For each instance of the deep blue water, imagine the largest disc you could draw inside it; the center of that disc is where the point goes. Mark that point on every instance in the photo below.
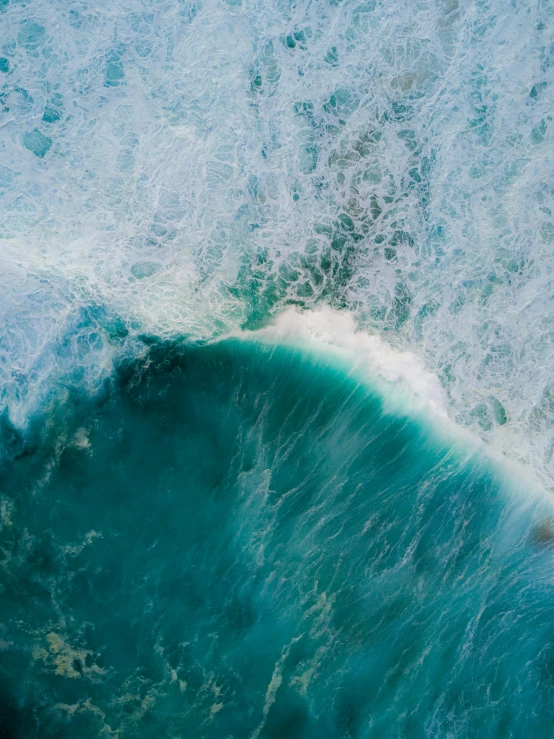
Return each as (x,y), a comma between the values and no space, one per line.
(238,540)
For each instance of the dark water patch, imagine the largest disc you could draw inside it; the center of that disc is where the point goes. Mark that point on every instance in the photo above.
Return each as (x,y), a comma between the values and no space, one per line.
(543,534)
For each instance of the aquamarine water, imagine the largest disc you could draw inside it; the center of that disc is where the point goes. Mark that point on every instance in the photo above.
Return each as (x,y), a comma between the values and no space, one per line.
(276,350)
(238,540)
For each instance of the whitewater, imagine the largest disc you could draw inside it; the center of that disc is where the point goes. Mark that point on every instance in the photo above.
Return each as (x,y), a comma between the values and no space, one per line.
(191,168)
(276,386)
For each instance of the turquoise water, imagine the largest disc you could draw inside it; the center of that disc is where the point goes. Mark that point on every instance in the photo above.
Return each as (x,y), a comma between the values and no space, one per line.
(275,336)
(239,540)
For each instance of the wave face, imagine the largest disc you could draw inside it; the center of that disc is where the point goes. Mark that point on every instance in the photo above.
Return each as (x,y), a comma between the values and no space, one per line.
(260,262)
(239,540)
(191,166)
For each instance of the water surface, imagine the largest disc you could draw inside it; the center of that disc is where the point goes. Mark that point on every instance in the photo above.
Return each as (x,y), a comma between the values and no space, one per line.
(241,540)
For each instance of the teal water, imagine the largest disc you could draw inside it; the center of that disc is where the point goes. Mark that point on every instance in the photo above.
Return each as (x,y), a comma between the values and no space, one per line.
(211,537)
(237,540)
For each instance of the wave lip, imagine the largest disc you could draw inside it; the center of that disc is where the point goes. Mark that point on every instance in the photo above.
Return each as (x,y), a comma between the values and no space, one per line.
(405,384)
(335,331)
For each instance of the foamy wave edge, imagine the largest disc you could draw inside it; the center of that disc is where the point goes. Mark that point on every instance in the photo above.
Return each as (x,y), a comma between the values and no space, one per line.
(405,383)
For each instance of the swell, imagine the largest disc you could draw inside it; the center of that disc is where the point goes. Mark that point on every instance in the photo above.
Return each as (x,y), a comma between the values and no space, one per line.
(241,539)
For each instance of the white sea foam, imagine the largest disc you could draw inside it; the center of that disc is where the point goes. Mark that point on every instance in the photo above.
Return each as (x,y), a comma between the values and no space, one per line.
(406,385)
(190,167)
(335,331)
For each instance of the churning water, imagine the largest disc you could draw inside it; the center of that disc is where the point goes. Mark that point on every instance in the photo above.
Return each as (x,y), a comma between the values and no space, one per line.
(276,327)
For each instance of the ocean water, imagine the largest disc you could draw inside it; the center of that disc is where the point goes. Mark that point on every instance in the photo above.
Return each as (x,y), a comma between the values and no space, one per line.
(241,540)
(276,350)
(190,167)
